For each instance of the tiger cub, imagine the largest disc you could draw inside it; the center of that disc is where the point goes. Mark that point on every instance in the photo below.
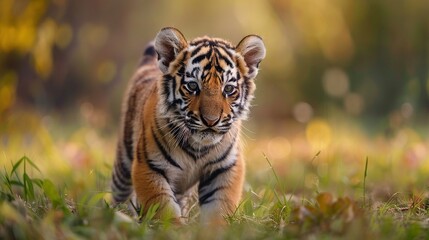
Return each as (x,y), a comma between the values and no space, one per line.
(181,122)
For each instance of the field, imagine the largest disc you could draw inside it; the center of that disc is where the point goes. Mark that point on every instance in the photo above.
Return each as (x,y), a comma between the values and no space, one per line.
(337,144)
(324,180)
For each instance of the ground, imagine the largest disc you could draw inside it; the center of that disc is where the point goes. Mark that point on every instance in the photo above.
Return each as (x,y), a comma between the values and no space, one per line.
(325,179)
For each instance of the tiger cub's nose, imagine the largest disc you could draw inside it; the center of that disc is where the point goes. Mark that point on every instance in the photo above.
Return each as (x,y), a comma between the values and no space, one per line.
(210,120)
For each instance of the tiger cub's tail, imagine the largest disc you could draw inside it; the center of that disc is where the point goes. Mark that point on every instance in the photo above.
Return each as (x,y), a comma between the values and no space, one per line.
(121,175)
(149,54)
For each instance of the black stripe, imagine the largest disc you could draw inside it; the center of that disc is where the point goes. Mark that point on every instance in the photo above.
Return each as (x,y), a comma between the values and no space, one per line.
(188,149)
(219,69)
(156,169)
(222,157)
(201,57)
(128,126)
(204,40)
(206,181)
(119,184)
(185,148)
(198,59)
(164,152)
(206,76)
(195,72)
(162,194)
(238,75)
(181,70)
(120,168)
(141,146)
(152,166)
(195,154)
(196,50)
(246,93)
(208,201)
(121,197)
(224,44)
(121,177)
(123,170)
(174,130)
(185,55)
(226,50)
(207,67)
(173,90)
(203,199)
(225,59)
(241,97)
(166,89)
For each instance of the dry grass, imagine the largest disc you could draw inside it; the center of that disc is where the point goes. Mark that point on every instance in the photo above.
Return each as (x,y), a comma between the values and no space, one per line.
(313,182)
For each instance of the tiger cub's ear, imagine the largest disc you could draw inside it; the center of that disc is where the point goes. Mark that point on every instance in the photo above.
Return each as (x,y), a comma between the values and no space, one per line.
(252,49)
(168,43)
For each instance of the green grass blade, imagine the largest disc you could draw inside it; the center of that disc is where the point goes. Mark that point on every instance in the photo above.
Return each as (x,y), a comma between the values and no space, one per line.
(29,188)
(32,164)
(54,196)
(7,181)
(151,212)
(38,182)
(277,180)
(17,164)
(96,198)
(364,182)
(16,183)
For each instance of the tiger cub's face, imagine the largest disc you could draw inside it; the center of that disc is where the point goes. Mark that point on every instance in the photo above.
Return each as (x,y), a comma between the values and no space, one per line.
(208,83)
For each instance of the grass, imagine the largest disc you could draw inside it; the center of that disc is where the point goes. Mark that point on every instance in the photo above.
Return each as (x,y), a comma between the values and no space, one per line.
(364,182)
(56,186)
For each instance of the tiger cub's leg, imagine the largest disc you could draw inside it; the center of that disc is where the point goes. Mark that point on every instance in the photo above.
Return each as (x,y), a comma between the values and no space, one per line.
(152,188)
(220,192)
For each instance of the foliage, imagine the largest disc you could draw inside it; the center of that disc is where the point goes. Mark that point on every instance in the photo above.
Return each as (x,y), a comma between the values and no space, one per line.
(362,58)
(37,208)
(326,214)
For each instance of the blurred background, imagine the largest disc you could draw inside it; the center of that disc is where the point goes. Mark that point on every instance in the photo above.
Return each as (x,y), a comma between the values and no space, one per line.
(342,80)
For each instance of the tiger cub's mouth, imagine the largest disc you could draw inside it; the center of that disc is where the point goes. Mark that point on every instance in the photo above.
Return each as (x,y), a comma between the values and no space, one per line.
(206,137)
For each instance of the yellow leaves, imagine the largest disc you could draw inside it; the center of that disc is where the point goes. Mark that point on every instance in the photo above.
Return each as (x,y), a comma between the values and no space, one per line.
(106,70)
(23,31)
(324,200)
(49,34)
(7,90)
(327,214)
(42,53)
(16,38)
(63,35)
(18,25)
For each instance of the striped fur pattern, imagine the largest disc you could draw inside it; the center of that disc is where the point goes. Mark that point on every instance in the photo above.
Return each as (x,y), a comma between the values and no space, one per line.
(181,123)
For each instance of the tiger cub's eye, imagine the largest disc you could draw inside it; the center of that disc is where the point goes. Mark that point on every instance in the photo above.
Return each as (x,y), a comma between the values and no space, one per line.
(192,86)
(228,89)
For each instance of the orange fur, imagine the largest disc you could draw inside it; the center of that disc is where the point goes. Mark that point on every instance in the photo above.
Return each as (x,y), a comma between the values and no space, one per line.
(181,137)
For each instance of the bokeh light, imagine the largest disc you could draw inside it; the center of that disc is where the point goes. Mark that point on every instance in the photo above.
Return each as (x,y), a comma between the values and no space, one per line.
(279,148)
(335,82)
(354,103)
(302,112)
(319,134)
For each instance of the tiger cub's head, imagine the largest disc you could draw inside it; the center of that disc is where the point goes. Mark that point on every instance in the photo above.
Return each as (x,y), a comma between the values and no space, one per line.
(208,83)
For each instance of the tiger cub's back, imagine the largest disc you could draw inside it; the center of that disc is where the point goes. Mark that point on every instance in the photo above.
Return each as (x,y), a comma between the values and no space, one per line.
(139,89)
